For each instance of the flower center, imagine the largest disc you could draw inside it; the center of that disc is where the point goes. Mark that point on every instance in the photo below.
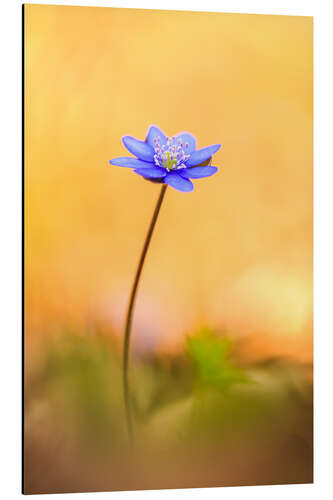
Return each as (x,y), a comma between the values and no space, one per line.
(171,155)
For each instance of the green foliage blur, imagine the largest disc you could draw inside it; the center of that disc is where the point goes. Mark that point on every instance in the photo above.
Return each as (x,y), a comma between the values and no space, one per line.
(210,356)
(204,403)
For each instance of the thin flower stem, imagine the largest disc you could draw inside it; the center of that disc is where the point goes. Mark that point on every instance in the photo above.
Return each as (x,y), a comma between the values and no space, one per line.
(130,309)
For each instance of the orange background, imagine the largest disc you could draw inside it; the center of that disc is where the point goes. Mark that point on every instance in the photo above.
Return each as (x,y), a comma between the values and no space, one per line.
(236,253)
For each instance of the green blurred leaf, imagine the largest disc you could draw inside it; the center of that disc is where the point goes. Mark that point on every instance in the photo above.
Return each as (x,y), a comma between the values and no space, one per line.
(210,356)
(82,379)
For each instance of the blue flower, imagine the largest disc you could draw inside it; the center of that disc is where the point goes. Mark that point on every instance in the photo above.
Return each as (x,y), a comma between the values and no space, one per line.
(170,160)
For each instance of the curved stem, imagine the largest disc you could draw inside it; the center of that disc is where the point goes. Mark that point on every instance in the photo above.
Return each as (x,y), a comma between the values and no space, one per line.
(130,308)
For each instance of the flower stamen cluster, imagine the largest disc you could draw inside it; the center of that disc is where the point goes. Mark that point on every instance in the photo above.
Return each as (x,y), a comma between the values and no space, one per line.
(171,155)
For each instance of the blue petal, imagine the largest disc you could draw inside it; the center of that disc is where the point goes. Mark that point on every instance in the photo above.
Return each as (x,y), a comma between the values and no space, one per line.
(197,172)
(187,139)
(152,172)
(178,182)
(138,148)
(153,133)
(130,162)
(201,155)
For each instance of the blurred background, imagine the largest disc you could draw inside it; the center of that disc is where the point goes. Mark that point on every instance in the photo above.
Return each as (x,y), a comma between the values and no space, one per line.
(222,331)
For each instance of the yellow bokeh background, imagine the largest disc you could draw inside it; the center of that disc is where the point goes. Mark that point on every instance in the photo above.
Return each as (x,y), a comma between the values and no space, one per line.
(236,253)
